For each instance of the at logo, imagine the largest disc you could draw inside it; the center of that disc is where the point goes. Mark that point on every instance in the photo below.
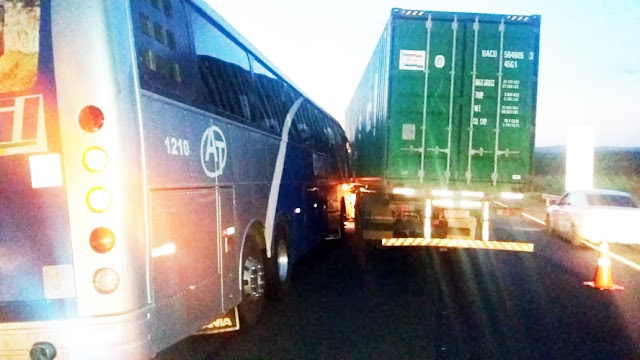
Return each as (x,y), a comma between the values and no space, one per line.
(213,152)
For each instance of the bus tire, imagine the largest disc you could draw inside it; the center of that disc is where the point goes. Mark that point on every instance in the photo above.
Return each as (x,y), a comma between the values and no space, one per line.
(279,265)
(253,282)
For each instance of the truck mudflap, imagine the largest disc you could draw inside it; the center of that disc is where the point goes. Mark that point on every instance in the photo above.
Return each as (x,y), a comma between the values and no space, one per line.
(459,243)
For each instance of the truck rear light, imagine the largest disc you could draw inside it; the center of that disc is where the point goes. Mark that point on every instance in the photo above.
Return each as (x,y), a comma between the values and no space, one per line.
(106,280)
(91,118)
(442,193)
(95,159)
(473,194)
(446,203)
(102,240)
(98,199)
(467,204)
(404,191)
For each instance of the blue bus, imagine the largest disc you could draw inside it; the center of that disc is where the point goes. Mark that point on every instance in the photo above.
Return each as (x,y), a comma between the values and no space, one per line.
(156,173)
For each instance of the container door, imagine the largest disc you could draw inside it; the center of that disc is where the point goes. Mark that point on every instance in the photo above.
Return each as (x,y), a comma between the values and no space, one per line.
(498,101)
(424,91)
(463,92)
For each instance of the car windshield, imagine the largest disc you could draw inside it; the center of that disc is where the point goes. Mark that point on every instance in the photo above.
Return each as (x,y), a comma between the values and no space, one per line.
(610,200)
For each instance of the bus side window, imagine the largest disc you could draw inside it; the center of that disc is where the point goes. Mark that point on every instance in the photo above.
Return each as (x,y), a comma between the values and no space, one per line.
(341,148)
(266,99)
(224,69)
(302,125)
(164,69)
(324,131)
(285,100)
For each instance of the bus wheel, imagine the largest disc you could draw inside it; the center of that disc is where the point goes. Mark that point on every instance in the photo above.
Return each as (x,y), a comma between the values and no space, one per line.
(279,266)
(253,282)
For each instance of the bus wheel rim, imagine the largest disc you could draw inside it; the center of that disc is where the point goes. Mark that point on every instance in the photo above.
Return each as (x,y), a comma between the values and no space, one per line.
(283,261)
(253,278)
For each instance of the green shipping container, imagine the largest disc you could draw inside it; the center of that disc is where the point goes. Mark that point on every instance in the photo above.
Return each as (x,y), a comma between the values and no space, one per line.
(449,100)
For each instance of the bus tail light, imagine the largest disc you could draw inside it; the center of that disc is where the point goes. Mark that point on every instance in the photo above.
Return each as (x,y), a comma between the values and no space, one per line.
(95,159)
(102,240)
(91,118)
(106,280)
(98,199)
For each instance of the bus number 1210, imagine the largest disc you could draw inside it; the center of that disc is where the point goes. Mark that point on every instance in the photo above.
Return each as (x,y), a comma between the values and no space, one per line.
(177,146)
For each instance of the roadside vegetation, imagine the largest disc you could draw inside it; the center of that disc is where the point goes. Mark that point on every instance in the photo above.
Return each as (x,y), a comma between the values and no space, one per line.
(614,168)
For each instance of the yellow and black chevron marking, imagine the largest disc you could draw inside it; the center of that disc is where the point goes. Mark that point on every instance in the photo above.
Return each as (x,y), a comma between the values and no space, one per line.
(460,243)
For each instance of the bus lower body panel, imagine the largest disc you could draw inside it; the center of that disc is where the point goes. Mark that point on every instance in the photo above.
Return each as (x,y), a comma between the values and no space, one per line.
(110,337)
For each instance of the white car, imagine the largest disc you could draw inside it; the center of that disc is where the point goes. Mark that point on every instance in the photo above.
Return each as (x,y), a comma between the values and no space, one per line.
(595,216)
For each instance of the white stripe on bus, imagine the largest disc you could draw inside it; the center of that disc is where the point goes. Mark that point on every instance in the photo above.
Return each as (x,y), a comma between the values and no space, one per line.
(277,176)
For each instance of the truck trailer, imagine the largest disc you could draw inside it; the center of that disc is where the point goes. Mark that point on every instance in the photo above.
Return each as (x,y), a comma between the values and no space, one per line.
(442,126)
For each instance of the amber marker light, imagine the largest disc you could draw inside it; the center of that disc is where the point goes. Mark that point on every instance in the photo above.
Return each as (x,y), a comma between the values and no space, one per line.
(91,118)
(95,159)
(102,240)
(98,199)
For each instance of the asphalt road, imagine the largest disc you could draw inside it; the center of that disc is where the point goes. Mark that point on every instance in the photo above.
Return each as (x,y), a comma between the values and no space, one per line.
(348,302)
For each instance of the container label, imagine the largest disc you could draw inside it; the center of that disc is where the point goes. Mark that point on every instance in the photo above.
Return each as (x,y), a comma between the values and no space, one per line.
(408,131)
(412,60)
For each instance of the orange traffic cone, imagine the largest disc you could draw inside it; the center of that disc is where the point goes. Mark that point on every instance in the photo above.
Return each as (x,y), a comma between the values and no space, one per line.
(603,279)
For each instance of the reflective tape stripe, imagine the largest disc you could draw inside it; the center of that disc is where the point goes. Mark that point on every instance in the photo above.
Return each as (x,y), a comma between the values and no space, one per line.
(460,243)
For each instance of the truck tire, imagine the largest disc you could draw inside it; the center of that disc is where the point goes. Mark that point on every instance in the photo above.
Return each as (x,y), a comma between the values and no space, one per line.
(343,219)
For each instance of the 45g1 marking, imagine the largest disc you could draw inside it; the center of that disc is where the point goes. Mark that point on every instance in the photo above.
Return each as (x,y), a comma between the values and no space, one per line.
(179,147)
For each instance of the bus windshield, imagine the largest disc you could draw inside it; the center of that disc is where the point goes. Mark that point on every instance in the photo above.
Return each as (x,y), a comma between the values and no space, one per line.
(19,43)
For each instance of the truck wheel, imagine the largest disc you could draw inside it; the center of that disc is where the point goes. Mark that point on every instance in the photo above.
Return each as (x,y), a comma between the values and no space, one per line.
(357,225)
(343,218)
(279,265)
(253,282)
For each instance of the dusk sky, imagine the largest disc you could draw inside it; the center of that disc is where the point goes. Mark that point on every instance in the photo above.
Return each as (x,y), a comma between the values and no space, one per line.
(589,54)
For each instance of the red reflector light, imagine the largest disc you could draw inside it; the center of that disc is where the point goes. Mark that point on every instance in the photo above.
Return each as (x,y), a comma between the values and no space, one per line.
(102,240)
(91,118)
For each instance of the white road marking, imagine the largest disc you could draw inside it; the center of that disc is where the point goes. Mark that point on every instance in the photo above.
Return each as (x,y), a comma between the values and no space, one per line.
(614,256)
(592,246)
(530,217)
